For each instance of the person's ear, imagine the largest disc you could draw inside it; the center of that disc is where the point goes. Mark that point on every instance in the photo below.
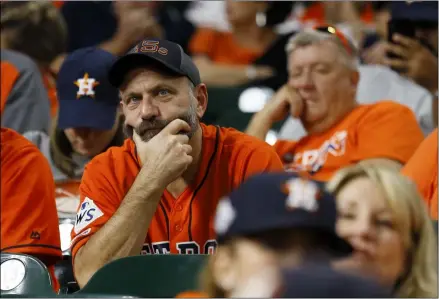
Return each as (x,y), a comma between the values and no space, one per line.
(200,94)
(355,78)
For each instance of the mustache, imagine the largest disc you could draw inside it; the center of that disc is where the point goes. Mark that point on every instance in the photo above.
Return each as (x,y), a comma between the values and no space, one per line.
(147,125)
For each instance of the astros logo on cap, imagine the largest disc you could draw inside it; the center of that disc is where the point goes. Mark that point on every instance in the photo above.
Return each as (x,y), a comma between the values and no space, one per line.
(86,86)
(302,194)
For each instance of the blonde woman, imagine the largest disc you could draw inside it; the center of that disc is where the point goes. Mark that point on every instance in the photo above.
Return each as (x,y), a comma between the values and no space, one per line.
(384,218)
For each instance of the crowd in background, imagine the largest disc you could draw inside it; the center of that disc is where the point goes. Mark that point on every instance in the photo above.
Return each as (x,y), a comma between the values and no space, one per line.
(340,95)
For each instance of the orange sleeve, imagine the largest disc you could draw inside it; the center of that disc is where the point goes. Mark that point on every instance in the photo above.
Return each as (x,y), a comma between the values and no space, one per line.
(388,131)
(29,220)
(97,202)
(254,160)
(202,42)
(10,74)
(422,169)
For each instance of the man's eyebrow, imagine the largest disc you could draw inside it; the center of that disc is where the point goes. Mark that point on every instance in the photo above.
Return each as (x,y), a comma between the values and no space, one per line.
(124,95)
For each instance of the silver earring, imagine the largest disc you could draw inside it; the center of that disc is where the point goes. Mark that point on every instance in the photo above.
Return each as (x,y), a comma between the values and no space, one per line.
(261,19)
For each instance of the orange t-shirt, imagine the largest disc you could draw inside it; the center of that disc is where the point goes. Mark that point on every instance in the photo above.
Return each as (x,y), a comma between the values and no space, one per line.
(221,47)
(381,130)
(183,224)
(422,169)
(29,220)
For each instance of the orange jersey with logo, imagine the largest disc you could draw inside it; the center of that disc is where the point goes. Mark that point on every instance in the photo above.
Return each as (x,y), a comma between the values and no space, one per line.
(381,130)
(422,169)
(29,221)
(183,224)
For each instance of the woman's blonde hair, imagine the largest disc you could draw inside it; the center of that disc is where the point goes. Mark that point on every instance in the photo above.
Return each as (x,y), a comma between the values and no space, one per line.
(412,222)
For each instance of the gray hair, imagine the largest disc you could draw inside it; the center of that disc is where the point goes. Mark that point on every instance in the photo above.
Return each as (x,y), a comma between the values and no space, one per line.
(312,37)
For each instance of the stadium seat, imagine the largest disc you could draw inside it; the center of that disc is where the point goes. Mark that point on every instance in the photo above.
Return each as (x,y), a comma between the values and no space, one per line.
(147,276)
(64,275)
(24,276)
(221,100)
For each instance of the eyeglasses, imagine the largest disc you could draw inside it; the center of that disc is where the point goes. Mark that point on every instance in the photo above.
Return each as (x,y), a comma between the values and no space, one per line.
(342,38)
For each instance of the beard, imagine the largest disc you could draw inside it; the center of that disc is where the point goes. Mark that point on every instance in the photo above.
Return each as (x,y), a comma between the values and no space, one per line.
(149,128)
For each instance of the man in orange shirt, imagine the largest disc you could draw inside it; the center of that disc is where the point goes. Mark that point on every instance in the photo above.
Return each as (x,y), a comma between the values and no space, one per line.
(320,92)
(29,222)
(422,169)
(158,192)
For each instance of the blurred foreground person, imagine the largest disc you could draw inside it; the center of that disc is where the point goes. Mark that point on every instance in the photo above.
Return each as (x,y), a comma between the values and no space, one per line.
(320,92)
(385,220)
(29,223)
(321,281)
(270,222)
(422,169)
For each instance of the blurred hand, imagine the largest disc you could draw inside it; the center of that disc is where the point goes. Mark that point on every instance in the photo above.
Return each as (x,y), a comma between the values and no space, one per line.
(166,155)
(135,21)
(263,72)
(284,102)
(376,54)
(416,61)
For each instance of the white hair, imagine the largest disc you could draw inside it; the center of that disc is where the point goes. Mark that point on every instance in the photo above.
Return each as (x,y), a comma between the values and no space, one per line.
(312,37)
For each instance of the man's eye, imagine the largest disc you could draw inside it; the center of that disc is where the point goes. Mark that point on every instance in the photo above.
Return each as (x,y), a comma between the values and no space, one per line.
(163,92)
(133,99)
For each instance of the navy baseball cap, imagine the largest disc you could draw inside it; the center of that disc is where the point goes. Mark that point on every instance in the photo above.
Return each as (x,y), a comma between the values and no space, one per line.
(86,98)
(271,201)
(321,281)
(416,11)
(155,51)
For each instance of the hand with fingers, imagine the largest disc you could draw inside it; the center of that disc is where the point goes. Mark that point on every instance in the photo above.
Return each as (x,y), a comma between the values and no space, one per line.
(168,154)
(376,54)
(286,101)
(414,60)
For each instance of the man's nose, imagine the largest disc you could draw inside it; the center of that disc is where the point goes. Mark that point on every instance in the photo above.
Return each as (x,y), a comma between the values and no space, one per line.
(148,109)
(303,82)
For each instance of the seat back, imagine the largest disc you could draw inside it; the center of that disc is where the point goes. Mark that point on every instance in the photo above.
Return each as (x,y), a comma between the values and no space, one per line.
(65,277)
(24,275)
(221,100)
(147,276)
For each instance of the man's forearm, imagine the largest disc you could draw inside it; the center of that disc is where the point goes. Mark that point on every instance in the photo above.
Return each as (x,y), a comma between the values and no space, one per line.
(259,126)
(223,75)
(124,233)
